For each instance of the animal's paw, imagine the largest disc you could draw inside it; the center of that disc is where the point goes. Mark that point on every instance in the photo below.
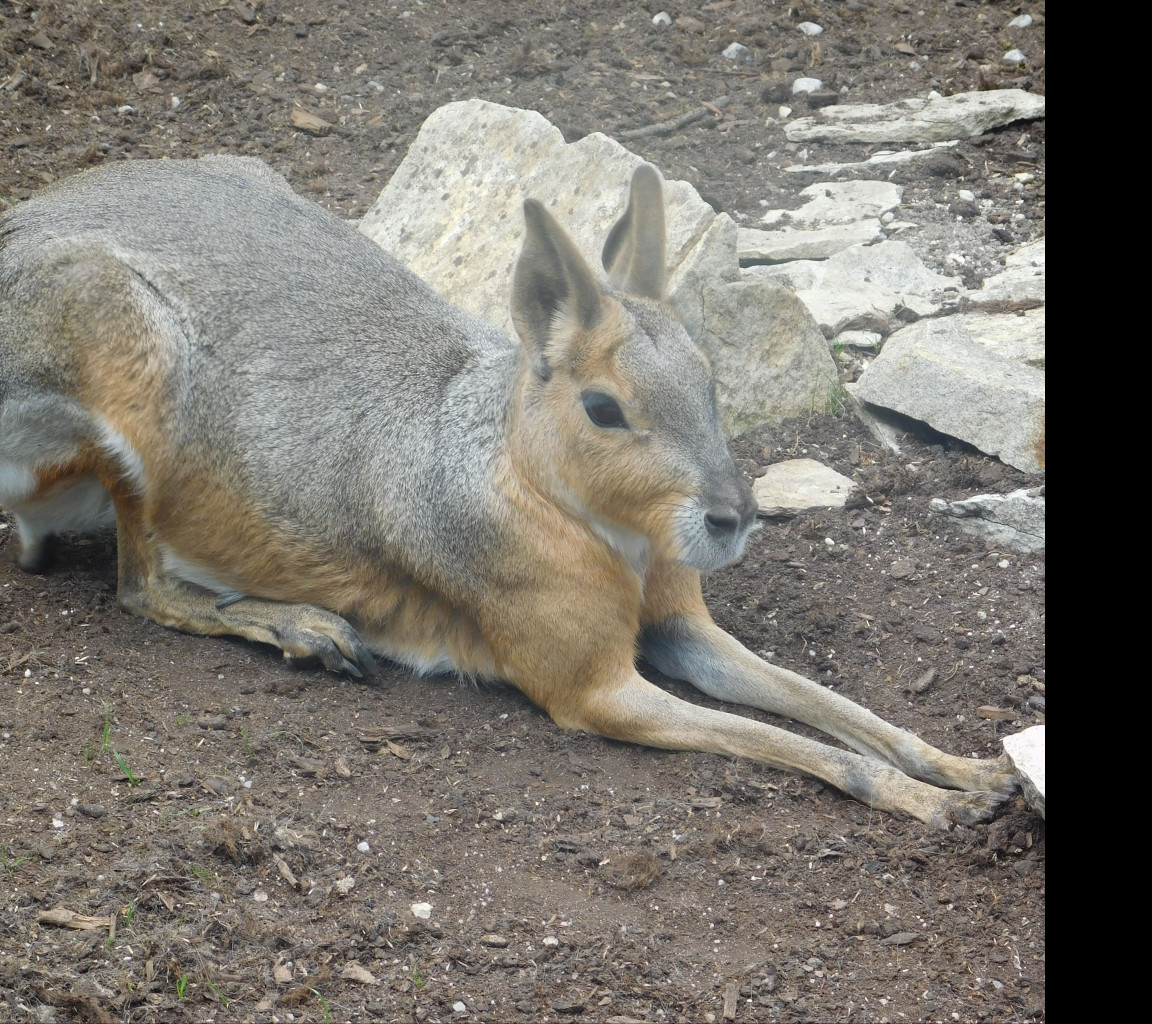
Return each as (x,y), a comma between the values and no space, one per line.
(320,635)
(999,776)
(971,808)
(974,775)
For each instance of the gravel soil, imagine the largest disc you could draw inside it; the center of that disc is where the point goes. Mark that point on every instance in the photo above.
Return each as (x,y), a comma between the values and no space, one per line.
(248,842)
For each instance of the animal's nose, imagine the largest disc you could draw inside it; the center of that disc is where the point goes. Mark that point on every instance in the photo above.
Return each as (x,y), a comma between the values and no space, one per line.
(722,522)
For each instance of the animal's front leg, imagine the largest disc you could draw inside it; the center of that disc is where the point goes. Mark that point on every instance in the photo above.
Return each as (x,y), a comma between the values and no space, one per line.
(631,708)
(684,643)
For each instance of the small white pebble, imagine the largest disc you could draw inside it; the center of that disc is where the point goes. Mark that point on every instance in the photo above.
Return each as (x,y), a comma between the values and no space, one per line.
(830,542)
(663,18)
(1013,58)
(551,940)
(785,112)
(806,85)
(967,195)
(459,1007)
(810,28)
(176,101)
(422,910)
(734,51)
(1003,563)
(363,847)
(1020,21)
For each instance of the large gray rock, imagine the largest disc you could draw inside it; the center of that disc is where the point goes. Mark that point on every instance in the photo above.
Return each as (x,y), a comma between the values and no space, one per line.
(1013,521)
(1022,281)
(933,371)
(1026,752)
(711,262)
(1018,336)
(797,485)
(918,120)
(453,209)
(768,353)
(863,279)
(453,213)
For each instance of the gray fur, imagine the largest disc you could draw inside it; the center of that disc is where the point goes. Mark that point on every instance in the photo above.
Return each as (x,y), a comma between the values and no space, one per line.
(297,338)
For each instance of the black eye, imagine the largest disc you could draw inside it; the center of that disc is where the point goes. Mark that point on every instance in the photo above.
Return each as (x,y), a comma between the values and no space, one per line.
(603,410)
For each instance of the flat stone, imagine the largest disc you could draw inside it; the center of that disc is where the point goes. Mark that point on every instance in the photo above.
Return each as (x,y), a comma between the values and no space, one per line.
(876,162)
(813,244)
(858,339)
(801,484)
(918,119)
(1026,752)
(1022,280)
(933,371)
(860,280)
(838,202)
(1014,521)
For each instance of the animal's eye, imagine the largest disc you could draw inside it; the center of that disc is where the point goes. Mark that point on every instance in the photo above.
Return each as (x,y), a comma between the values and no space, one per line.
(603,410)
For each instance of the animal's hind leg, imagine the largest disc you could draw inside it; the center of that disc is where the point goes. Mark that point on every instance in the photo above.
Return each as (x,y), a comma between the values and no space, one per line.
(303,632)
(83,505)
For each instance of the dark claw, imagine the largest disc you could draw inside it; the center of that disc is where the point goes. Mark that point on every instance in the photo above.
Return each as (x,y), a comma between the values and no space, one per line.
(365,658)
(352,668)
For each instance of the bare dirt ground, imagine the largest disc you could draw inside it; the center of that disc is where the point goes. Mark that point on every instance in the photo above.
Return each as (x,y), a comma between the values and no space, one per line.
(260,835)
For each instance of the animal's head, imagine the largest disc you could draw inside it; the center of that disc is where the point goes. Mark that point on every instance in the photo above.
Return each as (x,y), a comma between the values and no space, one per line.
(617,414)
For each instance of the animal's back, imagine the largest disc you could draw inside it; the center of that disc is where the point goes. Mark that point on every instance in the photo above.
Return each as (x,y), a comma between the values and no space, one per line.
(308,367)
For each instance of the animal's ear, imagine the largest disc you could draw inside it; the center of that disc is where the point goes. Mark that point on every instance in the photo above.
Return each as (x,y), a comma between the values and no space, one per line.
(634,252)
(552,281)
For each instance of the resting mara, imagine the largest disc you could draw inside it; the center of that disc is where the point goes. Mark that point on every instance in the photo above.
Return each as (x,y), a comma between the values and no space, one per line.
(301,444)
